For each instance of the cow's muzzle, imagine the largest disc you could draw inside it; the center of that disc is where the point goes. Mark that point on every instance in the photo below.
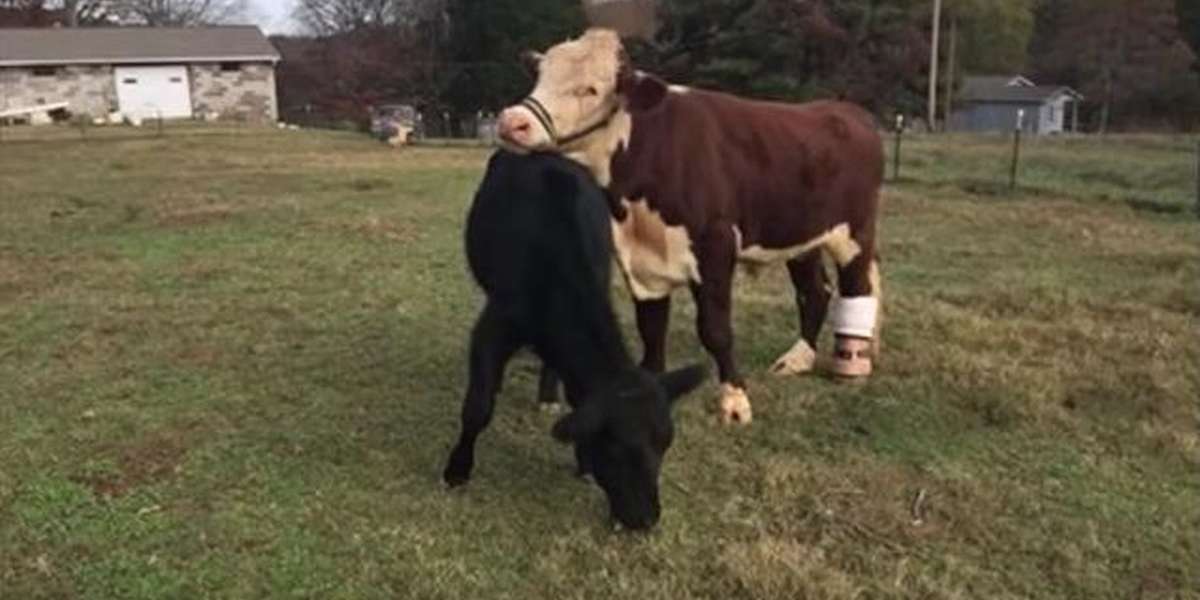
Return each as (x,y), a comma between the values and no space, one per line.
(517,130)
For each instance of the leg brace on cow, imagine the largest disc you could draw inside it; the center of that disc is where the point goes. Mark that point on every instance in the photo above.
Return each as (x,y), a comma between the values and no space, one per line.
(854,327)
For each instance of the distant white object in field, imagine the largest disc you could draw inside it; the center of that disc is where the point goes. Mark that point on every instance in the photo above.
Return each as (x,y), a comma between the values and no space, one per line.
(38,114)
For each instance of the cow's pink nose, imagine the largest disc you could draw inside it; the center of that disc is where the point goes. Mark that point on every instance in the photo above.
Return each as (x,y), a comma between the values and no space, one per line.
(514,127)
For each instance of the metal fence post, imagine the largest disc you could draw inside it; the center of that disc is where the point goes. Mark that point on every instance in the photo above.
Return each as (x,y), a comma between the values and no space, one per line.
(1016,154)
(896,152)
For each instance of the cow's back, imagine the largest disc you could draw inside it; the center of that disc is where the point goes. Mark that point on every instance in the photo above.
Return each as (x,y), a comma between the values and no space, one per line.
(538,224)
(779,171)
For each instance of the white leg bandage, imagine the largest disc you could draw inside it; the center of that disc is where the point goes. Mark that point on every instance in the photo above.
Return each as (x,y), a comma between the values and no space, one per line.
(855,316)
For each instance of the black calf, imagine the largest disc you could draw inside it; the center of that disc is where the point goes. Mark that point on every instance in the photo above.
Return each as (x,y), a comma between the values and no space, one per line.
(539,242)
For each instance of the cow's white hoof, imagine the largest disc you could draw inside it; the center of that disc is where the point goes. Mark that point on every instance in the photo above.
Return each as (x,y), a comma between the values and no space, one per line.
(735,405)
(800,359)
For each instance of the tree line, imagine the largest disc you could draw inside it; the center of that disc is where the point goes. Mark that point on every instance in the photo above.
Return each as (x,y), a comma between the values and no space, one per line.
(1134,60)
(93,13)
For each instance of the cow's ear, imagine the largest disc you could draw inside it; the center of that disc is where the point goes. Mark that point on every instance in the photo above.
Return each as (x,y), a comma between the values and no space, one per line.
(679,382)
(641,91)
(579,424)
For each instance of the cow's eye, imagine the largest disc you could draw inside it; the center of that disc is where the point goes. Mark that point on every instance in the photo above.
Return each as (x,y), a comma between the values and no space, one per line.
(588,90)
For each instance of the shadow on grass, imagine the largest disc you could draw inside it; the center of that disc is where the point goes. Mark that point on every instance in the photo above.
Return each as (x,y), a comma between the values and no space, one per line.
(1161,208)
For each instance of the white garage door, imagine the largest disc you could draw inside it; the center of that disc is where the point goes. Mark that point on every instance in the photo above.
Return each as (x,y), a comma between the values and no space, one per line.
(149,92)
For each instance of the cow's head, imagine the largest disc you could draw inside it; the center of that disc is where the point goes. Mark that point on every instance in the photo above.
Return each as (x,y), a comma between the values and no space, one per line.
(583,86)
(623,432)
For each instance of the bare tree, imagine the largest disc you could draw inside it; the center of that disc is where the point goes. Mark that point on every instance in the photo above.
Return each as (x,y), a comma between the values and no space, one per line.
(89,12)
(329,17)
(179,13)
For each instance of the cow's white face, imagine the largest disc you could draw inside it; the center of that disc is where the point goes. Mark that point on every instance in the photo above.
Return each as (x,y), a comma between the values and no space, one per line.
(576,87)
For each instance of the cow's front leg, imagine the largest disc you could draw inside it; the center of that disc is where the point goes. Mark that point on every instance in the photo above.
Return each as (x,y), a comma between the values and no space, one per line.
(811,283)
(652,319)
(492,344)
(717,256)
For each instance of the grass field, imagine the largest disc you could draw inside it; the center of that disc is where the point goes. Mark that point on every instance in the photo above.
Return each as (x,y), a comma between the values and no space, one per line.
(231,363)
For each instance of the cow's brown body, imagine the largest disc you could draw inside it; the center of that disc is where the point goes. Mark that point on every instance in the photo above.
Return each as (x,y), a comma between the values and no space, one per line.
(741,175)
(705,180)
(783,174)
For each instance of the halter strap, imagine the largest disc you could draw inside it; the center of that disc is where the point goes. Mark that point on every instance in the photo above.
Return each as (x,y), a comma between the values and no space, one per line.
(543,116)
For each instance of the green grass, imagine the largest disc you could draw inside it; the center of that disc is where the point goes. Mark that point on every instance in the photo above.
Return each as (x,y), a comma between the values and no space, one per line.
(231,362)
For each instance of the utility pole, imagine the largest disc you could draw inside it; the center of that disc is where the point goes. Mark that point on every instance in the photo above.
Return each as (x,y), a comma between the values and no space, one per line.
(933,64)
(950,72)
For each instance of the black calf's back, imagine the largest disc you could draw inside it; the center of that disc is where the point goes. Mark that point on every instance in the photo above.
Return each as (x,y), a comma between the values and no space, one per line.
(539,242)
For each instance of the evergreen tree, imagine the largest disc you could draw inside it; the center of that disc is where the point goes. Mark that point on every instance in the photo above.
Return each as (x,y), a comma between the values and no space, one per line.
(486,41)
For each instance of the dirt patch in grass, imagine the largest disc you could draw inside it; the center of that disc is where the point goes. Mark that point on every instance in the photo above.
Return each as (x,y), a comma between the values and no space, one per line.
(194,215)
(151,459)
(200,355)
(372,226)
(781,568)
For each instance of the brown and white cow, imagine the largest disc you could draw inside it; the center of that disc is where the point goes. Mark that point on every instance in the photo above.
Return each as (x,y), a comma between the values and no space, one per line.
(702,181)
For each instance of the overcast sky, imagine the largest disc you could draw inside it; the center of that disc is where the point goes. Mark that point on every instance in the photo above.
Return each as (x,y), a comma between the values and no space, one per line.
(273,16)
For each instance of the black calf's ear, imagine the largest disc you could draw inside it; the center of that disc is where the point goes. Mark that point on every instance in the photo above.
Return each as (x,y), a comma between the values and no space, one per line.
(578,424)
(681,381)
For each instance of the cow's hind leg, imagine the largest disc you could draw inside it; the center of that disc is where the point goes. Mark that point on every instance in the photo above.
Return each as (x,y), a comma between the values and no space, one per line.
(811,283)
(717,257)
(493,343)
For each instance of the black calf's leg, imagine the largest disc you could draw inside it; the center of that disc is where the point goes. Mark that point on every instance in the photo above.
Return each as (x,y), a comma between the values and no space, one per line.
(812,302)
(652,319)
(717,253)
(492,345)
(548,388)
(583,461)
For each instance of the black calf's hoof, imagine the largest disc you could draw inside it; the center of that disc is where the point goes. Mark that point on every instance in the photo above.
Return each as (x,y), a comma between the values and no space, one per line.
(584,475)
(454,479)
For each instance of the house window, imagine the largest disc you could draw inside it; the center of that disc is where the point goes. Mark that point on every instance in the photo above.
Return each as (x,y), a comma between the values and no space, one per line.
(129,81)
(176,80)
(45,71)
(231,66)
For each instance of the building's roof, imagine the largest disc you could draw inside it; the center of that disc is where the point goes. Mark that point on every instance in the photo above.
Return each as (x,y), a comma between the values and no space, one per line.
(117,45)
(1008,88)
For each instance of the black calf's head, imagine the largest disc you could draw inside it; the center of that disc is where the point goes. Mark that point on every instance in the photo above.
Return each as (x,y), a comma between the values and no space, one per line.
(623,431)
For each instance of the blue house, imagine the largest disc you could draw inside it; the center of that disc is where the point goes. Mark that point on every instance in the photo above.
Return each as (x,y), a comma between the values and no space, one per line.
(992,104)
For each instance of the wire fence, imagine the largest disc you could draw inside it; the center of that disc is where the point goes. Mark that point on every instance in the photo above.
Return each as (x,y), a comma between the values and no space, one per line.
(1157,173)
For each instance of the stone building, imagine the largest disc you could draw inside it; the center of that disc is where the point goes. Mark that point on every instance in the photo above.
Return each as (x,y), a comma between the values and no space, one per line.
(141,72)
